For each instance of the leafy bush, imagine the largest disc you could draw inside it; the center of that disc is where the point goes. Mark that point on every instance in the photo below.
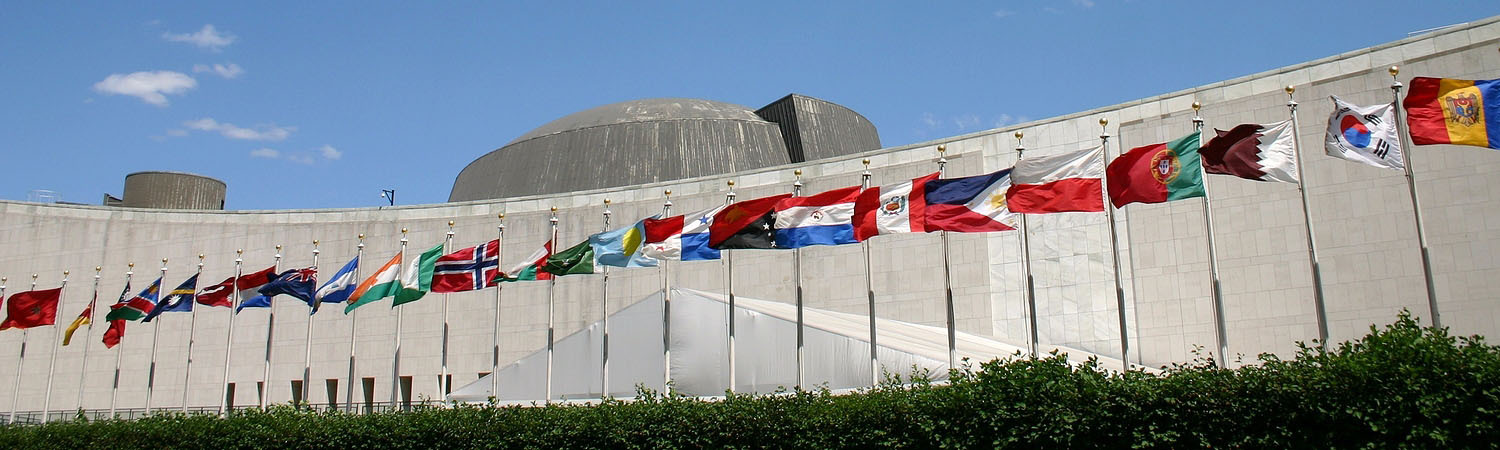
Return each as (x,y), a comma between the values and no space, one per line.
(1402,386)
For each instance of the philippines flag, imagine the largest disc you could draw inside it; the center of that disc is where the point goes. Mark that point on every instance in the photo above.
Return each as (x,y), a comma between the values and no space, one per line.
(470,269)
(823,219)
(970,204)
(683,237)
(337,289)
(1058,183)
(897,208)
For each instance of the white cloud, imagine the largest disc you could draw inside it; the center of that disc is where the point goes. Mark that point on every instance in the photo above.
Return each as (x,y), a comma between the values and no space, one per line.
(152,87)
(930,120)
(1003,13)
(330,153)
(270,153)
(206,38)
(177,133)
(966,121)
(228,71)
(1084,3)
(229,130)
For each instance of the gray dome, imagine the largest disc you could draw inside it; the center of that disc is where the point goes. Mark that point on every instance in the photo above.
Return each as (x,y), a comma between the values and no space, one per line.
(647,110)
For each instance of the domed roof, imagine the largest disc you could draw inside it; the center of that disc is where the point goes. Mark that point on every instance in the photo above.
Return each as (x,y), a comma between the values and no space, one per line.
(644,110)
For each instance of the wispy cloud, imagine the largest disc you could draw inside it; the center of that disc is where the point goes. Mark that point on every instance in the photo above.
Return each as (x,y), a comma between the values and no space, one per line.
(269,153)
(208,38)
(229,130)
(151,87)
(966,121)
(1003,13)
(228,71)
(1084,3)
(330,153)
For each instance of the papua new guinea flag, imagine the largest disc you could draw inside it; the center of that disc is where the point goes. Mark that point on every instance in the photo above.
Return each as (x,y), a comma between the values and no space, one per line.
(747,224)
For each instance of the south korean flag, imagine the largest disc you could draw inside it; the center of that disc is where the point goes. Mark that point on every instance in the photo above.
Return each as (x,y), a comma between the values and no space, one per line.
(1365,134)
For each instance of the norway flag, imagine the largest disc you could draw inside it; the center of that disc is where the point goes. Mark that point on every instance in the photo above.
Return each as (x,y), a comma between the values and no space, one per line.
(970,204)
(823,219)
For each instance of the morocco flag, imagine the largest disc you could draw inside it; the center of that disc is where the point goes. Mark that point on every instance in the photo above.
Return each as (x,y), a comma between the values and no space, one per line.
(31,309)
(1157,173)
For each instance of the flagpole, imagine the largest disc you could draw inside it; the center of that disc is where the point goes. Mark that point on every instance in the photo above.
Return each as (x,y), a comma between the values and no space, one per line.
(114,389)
(265,390)
(797,276)
(307,345)
(443,384)
(1416,206)
(234,300)
(396,351)
(15,392)
(666,308)
(864,183)
(187,367)
(83,366)
(551,301)
(729,289)
(1312,246)
(349,390)
(604,323)
(1114,247)
(495,331)
(1221,337)
(1033,340)
(155,334)
(948,275)
(52,360)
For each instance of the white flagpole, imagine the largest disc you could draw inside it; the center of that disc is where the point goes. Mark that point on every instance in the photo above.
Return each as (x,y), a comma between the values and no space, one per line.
(551,303)
(265,390)
(1221,337)
(948,275)
(1114,246)
(797,276)
(15,392)
(234,302)
(114,389)
(307,345)
(443,375)
(396,351)
(864,183)
(187,367)
(729,289)
(353,330)
(1312,243)
(52,361)
(1033,340)
(1416,206)
(495,331)
(666,308)
(604,322)
(84,365)
(155,333)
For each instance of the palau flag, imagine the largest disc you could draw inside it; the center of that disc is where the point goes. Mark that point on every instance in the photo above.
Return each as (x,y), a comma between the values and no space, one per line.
(1450,111)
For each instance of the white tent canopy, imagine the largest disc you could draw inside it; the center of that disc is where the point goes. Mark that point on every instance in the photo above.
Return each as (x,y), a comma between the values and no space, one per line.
(836,351)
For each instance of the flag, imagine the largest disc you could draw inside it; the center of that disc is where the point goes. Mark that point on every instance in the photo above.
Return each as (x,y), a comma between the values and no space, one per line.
(683,237)
(898,208)
(84,318)
(338,288)
(527,269)
(177,300)
(470,269)
(417,280)
(1156,173)
(218,294)
(1449,111)
(31,309)
(1364,134)
(622,247)
(1253,152)
(970,204)
(1065,182)
(116,330)
(826,218)
(298,283)
(138,306)
(575,260)
(379,285)
(745,224)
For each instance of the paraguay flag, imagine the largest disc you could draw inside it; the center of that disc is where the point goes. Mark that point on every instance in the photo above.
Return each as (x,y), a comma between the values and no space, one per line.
(970,204)
(822,219)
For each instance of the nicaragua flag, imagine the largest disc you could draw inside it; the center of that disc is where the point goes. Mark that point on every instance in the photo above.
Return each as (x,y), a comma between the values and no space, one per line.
(337,289)
(823,219)
(974,204)
(683,237)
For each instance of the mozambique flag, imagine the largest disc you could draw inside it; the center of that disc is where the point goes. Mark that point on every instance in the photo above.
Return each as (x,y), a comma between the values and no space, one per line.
(1157,173)
(1450,111)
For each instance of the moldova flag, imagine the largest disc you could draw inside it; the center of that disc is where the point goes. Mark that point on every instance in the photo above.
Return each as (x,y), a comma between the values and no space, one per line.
(1450,111)
(1157,173)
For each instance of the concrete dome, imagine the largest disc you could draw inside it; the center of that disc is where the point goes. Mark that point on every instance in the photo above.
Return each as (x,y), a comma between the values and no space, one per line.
(647,110)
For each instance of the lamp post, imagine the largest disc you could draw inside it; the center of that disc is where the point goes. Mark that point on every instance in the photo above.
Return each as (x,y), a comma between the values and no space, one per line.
(389,195)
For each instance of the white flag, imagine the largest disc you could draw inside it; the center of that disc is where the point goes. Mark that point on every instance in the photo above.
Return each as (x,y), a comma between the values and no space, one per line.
(1365,134)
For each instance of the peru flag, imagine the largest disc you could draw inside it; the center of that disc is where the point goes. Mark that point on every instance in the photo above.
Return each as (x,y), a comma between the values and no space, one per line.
(970,204)
(898,208)
(1067,182)
(823,219)
(683,237)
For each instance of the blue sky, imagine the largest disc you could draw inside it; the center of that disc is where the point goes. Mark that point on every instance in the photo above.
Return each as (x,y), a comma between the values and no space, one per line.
(323,104)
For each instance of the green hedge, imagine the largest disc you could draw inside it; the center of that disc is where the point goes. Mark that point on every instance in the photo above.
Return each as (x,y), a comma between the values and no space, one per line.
(1402,386)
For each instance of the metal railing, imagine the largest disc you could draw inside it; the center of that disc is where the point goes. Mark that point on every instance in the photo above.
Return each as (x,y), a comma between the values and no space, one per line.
(35,417)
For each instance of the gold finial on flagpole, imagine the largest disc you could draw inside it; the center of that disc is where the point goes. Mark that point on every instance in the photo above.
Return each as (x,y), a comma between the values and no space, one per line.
(1103,122)
(1290,89)
(731,183)
(606,202)
(1394,70)
(500,216)
(361,236)
(1197,106)
(403,231)
(797,172)
(200,261)
(554,209)
(450,224)
(866,162)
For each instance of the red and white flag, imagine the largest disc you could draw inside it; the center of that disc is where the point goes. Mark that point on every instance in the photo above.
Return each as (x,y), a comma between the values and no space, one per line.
(1065,182)
(470,269)
(218,294)
(897,208)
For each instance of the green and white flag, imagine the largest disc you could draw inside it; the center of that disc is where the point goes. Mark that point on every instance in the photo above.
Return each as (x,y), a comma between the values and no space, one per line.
(576,260)
(417,279)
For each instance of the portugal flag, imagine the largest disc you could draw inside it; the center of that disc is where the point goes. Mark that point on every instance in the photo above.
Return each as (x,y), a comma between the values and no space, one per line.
(31,309)
(1157,173)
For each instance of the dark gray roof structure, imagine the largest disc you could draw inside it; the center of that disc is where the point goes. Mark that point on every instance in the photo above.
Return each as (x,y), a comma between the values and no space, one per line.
(662,139)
